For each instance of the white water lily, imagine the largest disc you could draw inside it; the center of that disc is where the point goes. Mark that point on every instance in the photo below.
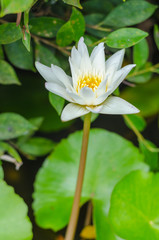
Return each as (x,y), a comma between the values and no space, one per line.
(92,82)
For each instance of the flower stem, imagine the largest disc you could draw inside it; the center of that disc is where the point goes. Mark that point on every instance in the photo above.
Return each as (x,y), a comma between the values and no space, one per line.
(76,203)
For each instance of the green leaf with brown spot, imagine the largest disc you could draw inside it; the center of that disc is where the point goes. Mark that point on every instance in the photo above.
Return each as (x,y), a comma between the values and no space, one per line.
(45,26)
(75,3)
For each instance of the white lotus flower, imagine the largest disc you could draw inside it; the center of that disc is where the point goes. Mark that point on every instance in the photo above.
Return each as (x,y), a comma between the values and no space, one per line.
(92,82)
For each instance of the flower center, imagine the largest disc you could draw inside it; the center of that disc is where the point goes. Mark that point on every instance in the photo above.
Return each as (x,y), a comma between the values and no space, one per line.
(89,80)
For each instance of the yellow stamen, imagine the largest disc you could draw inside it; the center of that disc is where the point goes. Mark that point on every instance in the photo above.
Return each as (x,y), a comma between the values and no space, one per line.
(89,80)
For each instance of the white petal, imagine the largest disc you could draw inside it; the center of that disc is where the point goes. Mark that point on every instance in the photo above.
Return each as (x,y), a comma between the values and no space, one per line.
(116,105)
(119,76)
(61,75)
(101,88)
(116,59)
(58,90)
(96,50)
(82,48)
(72,111)
(88,95)
(74,72)
(98,62)
(95,109)
(75,57)
(101,98)
(46,73)
(77,99)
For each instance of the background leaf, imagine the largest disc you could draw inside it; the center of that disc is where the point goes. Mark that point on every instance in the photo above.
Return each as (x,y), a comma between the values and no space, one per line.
(156,35)
(37,146)
(15,224)
(23,59)
(17,6)
(45,26)
(75,3)
(57,102)
(7,74)
(140,53)
(13,125)
(9,33)
(55,182)
(144,97)
(134,210)
(137,120)
(125,37)
(129,13)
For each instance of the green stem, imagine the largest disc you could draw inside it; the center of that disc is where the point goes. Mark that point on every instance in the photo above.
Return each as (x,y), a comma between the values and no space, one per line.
(149,69)
(139,135)
(70,233)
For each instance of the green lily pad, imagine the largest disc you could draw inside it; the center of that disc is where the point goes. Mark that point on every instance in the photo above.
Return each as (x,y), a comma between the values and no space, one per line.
(134,210)
(15,224)
(110,157)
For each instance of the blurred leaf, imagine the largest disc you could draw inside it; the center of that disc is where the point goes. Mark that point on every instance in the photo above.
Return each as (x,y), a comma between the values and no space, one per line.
(36,121)
(125,37)
(45,55)
(75,3)
(144,97)
(15,224)
(137,120)
(1,52)
(156,35)
(9,33)
(141,53)
(26,32)
(88,232)
(65,35)
(129,13)
(77,23)
(19,56)
(72,30)
(56,180)
(8,148)
(151,158)
(93,6)
(37,146)
(7,74)
(45,26)
(141,78)
(13,125)
(1,169)
(134,210)
(57,102)
(8,6)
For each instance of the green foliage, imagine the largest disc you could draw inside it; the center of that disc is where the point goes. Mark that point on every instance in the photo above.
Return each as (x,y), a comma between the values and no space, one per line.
(144,97)
(129,13)
(9,33)
(57,102)
(7,74)
(151,158)
(5,147)
(13,125)
(37,146)
(156,35)
(106,165)
(125,37)
(134,208)
(45,55)
(137,120)
(45,26)
(141,53)
(143,77)
(75,3)
(1,169)
(15,224)
(1,52)
(72,30)
(17,6)
(23,59)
